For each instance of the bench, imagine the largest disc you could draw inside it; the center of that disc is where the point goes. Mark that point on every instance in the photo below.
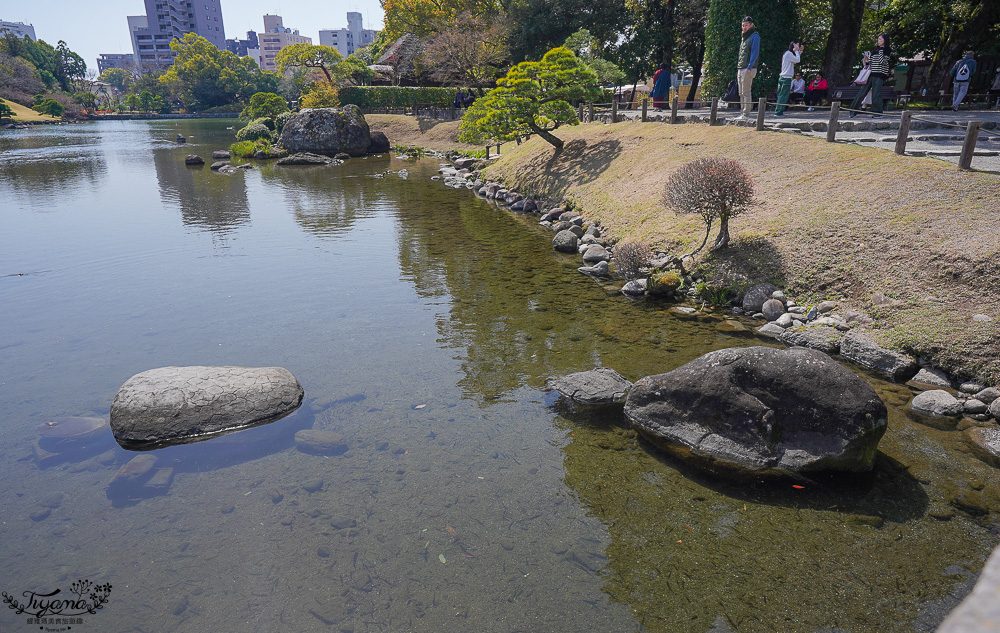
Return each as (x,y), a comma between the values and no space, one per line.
(846,94)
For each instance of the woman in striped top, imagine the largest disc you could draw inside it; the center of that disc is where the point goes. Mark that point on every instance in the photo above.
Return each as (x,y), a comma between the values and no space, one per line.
(879,61)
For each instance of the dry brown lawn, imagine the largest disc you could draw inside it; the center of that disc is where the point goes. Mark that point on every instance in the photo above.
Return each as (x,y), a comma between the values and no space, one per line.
(23,114)
(911,241)
(425,133)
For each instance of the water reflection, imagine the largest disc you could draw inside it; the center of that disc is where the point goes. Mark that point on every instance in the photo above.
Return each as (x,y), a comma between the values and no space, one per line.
(207,199)
(39,167)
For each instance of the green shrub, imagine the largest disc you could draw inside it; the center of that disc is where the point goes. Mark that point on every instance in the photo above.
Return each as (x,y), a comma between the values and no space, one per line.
(253,132)
(266,121)
(6,112)
(48,106)
(663,282)
(715,296)
(630,257)
(281,119)
(245,149)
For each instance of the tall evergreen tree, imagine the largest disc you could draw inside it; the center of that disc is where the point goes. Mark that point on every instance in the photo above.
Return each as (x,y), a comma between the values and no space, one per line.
(777,23)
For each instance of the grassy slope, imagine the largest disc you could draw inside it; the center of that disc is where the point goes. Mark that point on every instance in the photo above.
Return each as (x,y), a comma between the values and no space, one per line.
(426,133)
(23,114)
(837,221)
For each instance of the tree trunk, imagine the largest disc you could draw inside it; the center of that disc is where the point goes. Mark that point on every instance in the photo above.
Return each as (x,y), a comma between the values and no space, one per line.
(548,136)
(842,45)
(695,77)
(973,33)
(708,229)
(722,240)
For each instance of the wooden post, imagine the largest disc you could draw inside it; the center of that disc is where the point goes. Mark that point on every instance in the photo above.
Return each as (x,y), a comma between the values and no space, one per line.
(453,112)
(969,145)
(614,111)
(673,110)
(579,114)
(590,112)
(904,132)
(761,111)
(831,129)
(713,117)
(487,152)
(645,117)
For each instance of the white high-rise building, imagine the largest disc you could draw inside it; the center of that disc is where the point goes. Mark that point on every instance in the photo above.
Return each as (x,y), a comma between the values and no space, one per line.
(275,37)
(19,29)
(348,40)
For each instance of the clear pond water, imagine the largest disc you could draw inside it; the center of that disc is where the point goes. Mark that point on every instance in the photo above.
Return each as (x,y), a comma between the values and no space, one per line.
(422,323)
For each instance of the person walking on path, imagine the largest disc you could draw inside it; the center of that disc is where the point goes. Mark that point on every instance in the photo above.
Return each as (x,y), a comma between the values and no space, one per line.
(746,67)
(879,60)
(791,57)
(962,71)
(661,87)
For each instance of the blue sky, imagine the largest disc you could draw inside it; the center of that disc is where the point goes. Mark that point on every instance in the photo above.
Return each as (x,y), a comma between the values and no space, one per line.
(92,28)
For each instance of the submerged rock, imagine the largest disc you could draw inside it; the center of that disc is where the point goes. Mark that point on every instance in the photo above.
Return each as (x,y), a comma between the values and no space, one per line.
(600,385)
(320,442)
(173,405)
(759,410)
(985,443)
(193,159)
(305,158)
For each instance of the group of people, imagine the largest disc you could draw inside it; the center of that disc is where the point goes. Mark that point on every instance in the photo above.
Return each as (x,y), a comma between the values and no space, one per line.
(791,85)
(463,100)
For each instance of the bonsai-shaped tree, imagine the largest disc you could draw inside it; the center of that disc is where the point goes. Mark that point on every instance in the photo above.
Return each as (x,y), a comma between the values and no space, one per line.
(532,99)
(6,112)
(712,188)
(304,55)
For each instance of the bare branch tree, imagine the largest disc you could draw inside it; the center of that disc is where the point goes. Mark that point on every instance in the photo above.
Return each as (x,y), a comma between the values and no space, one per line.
(470,52)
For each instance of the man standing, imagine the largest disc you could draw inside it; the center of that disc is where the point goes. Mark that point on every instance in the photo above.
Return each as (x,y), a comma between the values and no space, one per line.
(962,71)
(746,67)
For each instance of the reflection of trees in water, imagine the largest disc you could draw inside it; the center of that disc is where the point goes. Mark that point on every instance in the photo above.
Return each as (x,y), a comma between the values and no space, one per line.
(324,201)
(511,310)
(35,178)
(213,201)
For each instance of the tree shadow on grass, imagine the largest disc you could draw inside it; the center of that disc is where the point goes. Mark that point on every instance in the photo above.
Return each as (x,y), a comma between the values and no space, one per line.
(426,125)
(748,261)
(578,163)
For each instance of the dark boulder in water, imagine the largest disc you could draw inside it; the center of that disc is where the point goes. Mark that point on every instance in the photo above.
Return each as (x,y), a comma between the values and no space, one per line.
(761,411)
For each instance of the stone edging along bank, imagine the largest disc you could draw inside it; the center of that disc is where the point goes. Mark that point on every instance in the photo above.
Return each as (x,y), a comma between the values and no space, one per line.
(819,327)
(968,406)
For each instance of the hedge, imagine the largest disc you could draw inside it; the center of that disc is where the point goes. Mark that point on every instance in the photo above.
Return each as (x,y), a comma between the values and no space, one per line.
(379,97)
(777,24)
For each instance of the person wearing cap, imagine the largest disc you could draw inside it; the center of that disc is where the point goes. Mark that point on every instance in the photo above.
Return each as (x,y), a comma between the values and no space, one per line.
(746,67)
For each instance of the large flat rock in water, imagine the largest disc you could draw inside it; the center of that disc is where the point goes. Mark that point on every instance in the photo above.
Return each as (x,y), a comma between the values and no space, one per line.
(761,411)
(601,385)
(174,405)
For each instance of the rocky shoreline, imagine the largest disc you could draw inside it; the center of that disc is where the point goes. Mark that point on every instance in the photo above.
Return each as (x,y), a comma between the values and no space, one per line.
(966,406)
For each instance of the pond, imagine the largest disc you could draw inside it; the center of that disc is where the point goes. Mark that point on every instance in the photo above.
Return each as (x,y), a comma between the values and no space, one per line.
(422,323)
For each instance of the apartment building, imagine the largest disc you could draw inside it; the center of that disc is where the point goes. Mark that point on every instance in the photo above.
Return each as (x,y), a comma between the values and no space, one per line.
(348,40)
(274,38)
(20,29)
(115,60)
(166,20)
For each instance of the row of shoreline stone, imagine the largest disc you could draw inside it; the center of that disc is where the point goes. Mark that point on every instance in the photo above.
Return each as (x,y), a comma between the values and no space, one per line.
(820,328)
